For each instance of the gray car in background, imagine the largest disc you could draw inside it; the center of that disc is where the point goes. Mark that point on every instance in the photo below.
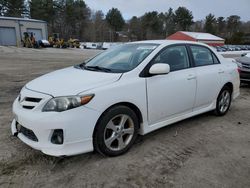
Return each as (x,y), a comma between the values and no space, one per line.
(244,67)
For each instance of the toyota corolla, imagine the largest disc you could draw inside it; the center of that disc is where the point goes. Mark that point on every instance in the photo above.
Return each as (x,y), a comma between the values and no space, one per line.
(135,88)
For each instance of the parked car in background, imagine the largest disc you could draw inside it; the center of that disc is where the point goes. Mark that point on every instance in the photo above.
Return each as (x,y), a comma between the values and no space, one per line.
(243,47)
(220,49)
(82,45)
(237,48)
(127,90)
(92,45)
(244,67)
(228,47)
(44,43)
(107,45)
(232,48)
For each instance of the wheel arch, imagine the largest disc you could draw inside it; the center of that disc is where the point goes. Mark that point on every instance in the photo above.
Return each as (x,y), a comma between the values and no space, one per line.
(130,105)
(230,85)
(217,111)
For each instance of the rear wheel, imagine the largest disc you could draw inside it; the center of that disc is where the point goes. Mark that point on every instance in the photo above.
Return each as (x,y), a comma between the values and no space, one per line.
(116,131)
(223,101)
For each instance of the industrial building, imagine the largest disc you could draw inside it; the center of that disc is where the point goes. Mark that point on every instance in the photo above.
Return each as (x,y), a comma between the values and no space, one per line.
(206,38)
(12,29)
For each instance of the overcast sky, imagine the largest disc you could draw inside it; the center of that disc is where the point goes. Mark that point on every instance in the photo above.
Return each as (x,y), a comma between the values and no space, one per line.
(200,8)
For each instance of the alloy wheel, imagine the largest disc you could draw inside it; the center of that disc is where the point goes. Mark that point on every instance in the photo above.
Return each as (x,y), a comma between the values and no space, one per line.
(119,132)
(224,101)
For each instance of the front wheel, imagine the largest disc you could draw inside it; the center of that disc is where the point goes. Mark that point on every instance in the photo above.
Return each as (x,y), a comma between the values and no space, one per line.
(116,131)
(223,101)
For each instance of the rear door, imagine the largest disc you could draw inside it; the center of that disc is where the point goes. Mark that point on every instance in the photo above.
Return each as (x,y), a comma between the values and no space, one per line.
(209,72)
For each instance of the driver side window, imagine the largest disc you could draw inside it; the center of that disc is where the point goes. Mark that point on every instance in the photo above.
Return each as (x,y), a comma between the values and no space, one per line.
(176,57)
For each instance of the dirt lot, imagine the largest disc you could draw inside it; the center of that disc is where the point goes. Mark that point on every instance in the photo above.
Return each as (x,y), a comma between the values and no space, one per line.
(204,151)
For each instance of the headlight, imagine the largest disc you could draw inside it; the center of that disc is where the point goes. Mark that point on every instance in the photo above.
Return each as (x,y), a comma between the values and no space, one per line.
(59,104)
(239,64)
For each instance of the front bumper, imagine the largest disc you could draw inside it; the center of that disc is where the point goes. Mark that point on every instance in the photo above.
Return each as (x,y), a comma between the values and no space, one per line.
(77,125)
(244,76)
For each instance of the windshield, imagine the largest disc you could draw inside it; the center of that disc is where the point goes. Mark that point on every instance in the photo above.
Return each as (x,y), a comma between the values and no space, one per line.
(120,59)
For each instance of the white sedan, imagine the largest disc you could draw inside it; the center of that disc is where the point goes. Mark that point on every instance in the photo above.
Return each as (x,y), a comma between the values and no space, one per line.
(135,88)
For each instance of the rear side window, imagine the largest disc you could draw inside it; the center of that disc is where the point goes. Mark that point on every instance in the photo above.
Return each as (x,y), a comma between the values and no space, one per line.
(175,56)
(216,61)
(203,56)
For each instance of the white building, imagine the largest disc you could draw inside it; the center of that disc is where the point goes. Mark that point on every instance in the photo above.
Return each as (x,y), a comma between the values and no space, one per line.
(12,29)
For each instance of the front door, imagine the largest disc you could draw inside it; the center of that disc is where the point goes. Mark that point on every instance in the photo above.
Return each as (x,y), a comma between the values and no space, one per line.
(172,94)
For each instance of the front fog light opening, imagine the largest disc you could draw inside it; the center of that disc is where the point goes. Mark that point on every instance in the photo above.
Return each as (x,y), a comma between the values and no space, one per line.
(57,136)
(18,127)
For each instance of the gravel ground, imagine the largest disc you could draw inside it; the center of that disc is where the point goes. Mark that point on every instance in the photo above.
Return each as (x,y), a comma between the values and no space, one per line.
(203,151)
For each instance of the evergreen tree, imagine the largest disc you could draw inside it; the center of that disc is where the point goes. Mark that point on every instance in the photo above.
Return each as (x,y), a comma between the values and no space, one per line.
(221,26)
(12,8)
(135,28)
(116,22)
(183,18)
(170,24)
(115,19)
(233,24)
(210,24)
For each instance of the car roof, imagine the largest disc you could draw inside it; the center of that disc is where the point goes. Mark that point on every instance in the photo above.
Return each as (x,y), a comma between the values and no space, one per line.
(168,42)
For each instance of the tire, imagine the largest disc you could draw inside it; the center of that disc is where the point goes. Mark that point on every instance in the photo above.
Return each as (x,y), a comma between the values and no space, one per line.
(223,101)
(116,131)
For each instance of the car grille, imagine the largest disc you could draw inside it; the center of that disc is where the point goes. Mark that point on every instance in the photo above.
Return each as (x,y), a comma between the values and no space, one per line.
(27,133)
(29,102)
(246,66)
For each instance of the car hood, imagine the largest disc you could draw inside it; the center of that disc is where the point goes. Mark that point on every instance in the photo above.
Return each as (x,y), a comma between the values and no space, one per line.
(245,60)
(71,81)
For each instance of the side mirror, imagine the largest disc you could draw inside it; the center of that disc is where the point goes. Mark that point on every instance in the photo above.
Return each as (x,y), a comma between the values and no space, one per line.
(159,68)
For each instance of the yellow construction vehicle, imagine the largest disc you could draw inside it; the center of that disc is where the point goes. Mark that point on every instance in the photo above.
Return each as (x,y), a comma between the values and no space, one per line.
(56,42)
(27,40)
(74,43)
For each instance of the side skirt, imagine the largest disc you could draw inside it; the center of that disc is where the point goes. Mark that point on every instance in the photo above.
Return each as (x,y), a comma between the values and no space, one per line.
(153,127)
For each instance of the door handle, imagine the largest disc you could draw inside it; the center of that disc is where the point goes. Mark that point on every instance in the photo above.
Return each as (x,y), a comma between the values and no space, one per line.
(191,77)
(221,72)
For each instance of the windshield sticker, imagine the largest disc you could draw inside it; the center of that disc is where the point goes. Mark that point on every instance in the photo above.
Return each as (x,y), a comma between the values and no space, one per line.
(146,47)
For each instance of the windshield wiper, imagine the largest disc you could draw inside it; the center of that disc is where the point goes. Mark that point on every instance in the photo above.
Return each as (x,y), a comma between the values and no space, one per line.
(80,66)
(97,68)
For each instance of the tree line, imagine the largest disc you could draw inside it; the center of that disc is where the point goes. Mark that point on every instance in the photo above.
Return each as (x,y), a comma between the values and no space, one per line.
(74,19)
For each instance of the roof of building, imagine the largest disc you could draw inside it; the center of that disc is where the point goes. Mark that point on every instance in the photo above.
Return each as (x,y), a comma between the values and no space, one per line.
(201,36)
(21,19)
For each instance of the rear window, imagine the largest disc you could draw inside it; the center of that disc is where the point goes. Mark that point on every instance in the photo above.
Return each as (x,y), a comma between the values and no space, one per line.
(203,56)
